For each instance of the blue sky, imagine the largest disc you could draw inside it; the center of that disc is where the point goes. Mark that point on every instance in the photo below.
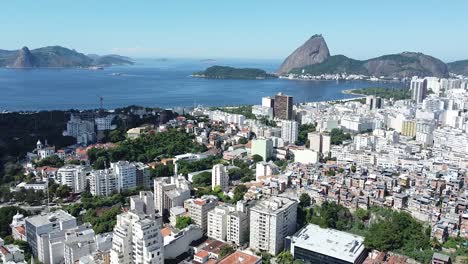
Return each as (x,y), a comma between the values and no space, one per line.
(238,28)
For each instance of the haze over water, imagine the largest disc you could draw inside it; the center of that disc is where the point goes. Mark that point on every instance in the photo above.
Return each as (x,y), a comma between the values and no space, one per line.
(156,83)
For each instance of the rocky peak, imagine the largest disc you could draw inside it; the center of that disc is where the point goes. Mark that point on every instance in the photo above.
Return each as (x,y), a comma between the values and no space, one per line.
(24,59)
(313,51)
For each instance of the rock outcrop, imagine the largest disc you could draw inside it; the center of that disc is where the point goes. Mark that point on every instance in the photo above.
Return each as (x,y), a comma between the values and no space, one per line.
(313,51)
(314,58)
(24,59)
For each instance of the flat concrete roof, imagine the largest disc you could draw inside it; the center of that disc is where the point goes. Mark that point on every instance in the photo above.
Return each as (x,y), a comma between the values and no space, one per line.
(56,216)
(330,242)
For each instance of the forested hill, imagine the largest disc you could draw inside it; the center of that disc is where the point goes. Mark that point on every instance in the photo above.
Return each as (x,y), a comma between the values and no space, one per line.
(225,72)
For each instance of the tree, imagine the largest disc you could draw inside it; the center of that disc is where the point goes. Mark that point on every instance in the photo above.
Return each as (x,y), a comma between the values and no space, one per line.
(243,140)
(116,136)
(100,163)
(202,179)
(63,191)
(285,257)
(304,130)
(225,250)
(304,200)
(52,161)
(337,136)
(239,192)
(362,214)
(257,158)
(183,221)
(332,215)
(162,171)
(6,216)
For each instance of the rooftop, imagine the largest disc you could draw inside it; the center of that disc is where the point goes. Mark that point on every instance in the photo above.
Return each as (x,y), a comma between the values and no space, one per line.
(330,242)
(240,257)
(56,216)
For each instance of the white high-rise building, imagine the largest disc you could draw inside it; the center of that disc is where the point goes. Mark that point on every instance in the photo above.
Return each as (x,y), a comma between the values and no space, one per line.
(74,176)
(125,172)
(217,222)
(418,90)
(319,142)
(198,209)
(82,130)
(271,221)
(137,235)
(170,192)
(40,228)
(73,244)
(265,169)
(219,177)
(289,131)
(268,101)
(102,182)
(104,123)
(238,224)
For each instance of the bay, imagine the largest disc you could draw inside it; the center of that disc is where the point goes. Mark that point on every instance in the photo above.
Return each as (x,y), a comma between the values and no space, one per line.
(157,83)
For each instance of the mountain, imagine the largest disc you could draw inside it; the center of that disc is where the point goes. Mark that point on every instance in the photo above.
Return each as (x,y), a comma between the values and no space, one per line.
(55,57)
(406,64)
(459,67)
(108,60)
(313,51)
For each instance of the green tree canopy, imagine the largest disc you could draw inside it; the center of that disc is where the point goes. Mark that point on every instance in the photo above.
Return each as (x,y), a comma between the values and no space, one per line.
(183,221)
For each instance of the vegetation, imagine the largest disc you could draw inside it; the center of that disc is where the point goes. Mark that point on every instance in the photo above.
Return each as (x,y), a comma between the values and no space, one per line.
(162,171)
(334,64)
(388,230)
(386,93)
(105,221)
(183,221)
(101,212)
(401,233)
(51,161)
(202,180)
(264,120)
(146,148)
(6,216)
(257,158)
(303,134)
(186,167)
(225,250)
(245,110)
(11,172)
(331,215)
(337,136)
(304,200)
(19,133)
(243,140)
(239,192)
(225,72)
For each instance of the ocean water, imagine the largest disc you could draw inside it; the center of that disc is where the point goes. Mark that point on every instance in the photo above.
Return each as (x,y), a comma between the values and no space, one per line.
(156,83)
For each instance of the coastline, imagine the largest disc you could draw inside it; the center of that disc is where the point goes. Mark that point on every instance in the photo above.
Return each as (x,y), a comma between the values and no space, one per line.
(350,92)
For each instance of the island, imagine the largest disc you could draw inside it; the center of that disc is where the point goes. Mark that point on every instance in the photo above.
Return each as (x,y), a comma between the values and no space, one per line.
(225,72)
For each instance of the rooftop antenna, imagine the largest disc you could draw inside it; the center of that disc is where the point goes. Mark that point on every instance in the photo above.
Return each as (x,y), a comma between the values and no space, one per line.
(101,102)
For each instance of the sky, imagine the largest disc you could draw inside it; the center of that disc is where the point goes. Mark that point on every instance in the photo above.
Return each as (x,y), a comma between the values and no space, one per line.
(256,29)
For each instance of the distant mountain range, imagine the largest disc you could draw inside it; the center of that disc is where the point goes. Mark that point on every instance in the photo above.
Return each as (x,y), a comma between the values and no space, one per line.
(57,57)
(314,58)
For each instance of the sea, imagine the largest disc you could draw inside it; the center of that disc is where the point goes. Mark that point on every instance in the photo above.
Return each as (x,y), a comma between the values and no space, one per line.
(164,83)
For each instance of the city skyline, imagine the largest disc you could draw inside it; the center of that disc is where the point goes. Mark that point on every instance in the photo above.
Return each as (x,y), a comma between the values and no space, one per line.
(258,30)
